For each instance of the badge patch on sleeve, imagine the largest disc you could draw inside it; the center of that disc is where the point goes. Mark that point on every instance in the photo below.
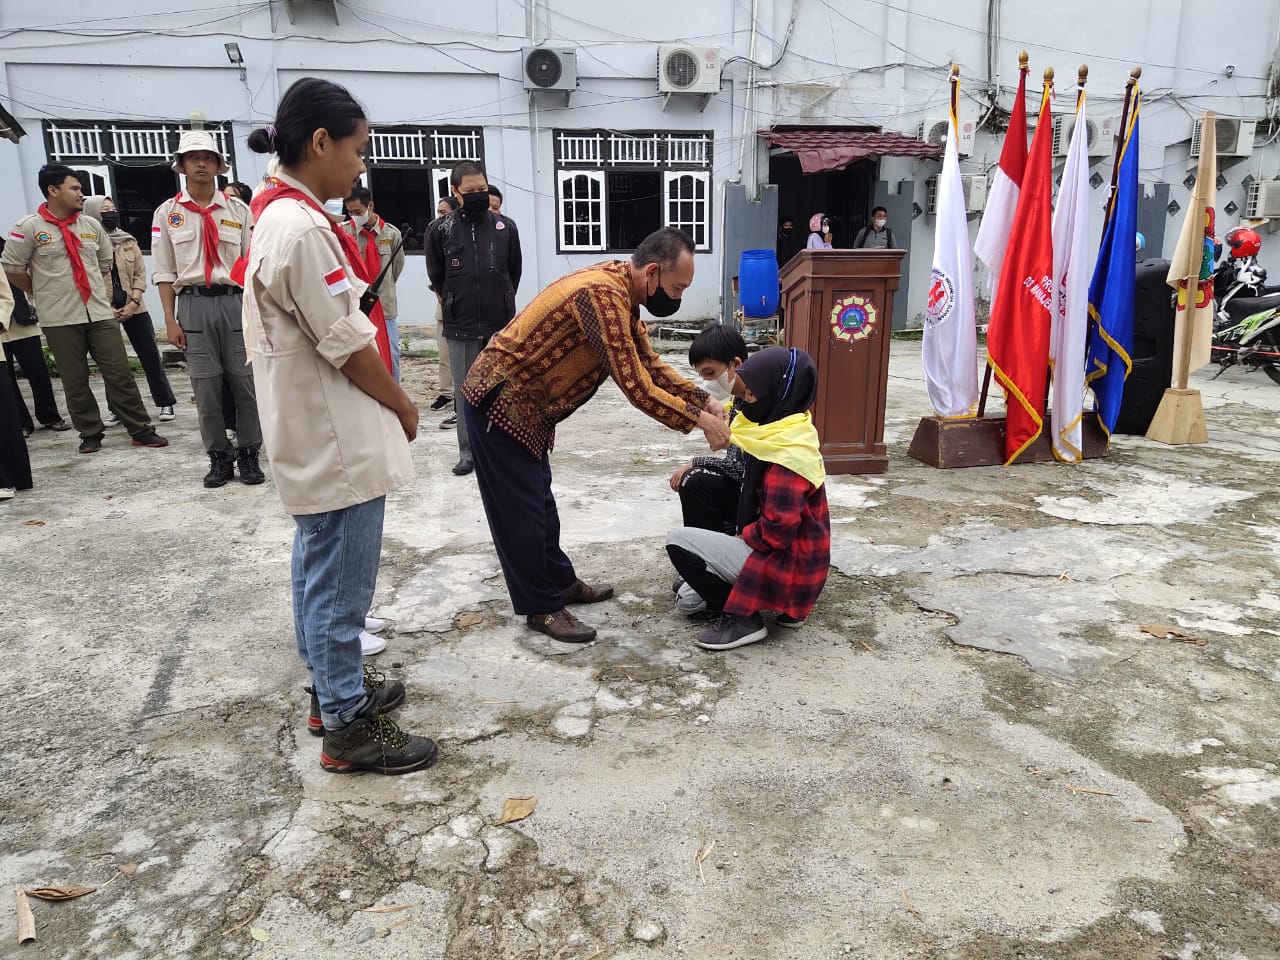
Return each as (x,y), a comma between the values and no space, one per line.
(337,282)
(176,219)
(156,232)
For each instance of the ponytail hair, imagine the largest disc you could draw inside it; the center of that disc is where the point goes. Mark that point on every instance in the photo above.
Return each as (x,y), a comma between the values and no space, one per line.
(310,104)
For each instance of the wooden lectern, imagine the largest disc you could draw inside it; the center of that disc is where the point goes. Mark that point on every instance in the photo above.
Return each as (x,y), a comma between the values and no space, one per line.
(839,308)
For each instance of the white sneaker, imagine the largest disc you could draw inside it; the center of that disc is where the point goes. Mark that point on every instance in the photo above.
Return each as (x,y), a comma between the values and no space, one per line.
(7,493)
(111,420)
(374,625)
(167,414)
(371,645)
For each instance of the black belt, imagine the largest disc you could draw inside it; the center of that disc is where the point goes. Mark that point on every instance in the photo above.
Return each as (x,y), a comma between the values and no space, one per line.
(217,290)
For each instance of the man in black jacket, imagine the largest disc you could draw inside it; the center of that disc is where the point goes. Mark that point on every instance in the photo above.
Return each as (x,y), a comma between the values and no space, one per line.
(473,259)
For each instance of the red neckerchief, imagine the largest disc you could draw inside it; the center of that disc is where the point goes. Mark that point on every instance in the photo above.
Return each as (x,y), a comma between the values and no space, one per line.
(210,235)
(276,189)
(73,249)
(372,259)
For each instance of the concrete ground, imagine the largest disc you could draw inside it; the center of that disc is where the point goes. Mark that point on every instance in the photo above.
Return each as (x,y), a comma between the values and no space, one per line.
(970,752)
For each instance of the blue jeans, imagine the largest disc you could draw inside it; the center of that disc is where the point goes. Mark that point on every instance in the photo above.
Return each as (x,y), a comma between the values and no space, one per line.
(335,569)
(393,334)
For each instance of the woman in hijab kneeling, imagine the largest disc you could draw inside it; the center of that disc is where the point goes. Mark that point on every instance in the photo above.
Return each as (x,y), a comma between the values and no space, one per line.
(780,559)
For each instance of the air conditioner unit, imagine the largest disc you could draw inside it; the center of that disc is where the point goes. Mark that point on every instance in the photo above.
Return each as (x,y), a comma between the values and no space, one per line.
(975,193)
(1235,137)
(550,68)
(687,69)
(1263,200)
(1100,134)
(934,131)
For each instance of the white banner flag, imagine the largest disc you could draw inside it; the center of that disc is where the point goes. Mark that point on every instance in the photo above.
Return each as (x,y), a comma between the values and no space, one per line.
(1070,313)
(950,329)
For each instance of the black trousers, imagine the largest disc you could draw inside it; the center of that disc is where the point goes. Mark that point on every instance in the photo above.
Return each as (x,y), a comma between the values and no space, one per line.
(516,491)
(709,500)
(15,464)
(28,354)
(142,334)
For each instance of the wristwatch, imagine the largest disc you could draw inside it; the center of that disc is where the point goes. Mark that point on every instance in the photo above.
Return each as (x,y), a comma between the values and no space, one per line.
(135,301)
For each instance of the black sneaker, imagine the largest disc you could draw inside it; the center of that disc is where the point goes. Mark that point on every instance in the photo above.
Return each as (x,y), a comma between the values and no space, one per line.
(372,741)
(91,444)
(221,469)
(791,623)
(729,632)
(247,461)
(463,467)
(388,693)
(449,422)
(150,439)
(442,401)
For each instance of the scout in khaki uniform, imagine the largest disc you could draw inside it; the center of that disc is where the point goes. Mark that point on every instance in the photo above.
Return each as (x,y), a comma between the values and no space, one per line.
(62,257)
(196,239)
(337,424)
(371,231)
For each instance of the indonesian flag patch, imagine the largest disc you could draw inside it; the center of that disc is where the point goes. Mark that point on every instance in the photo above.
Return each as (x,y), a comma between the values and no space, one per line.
(156,232)
(16,235)
(337,282)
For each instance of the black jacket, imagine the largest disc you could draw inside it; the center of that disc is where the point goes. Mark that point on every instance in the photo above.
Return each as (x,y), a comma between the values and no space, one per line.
(474,266)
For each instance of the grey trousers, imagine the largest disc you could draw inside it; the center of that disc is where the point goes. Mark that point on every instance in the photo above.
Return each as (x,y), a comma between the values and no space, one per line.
(462,354)
(215,349)
(724,556)
(446,369)
(72,346)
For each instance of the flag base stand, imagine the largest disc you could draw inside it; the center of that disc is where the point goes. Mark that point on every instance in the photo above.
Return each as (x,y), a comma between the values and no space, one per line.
(1179,418)
(979,442)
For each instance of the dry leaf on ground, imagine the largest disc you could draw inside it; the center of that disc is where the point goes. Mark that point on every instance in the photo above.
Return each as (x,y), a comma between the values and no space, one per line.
(1166,632)
(517,808)
(69,892)
(26,919)
(33,523)
(259,934)
(470,619)
(128,869)
(389,908)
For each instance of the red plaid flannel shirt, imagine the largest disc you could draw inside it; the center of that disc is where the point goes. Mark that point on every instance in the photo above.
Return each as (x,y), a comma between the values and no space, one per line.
(790,548)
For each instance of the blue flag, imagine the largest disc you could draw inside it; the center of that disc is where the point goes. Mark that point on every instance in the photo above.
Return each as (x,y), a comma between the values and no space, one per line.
(1107,362)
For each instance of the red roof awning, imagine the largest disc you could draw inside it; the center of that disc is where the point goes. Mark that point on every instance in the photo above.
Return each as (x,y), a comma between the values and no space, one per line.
(821,150)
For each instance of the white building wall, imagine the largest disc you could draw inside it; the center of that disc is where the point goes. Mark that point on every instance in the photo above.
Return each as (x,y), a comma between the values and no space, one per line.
(860,63)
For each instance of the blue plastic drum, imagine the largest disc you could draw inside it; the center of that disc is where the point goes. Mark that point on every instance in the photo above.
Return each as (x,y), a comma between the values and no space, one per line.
(758,283)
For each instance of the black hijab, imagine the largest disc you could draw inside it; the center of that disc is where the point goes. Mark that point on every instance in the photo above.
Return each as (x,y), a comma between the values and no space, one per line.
(784,381)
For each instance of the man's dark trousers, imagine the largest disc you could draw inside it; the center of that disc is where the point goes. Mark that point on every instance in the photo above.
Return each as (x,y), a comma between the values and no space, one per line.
(516,491)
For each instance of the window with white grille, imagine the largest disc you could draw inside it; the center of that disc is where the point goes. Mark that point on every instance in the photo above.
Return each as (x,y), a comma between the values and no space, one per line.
(613,187)
(128,161)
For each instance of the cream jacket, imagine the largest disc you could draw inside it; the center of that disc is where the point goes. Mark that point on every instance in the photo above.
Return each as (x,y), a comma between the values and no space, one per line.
(329,443)
(177,241)
(35,247)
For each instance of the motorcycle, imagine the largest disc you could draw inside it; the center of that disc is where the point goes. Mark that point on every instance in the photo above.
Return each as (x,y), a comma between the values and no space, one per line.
(1246,326)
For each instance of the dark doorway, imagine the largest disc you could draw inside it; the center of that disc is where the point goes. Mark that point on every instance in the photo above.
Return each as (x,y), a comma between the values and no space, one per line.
(845,196)
(403,195)
(635,207)
(138,191)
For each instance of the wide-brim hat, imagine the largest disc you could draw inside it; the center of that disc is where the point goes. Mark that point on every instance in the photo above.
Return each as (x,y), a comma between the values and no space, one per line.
(192,140)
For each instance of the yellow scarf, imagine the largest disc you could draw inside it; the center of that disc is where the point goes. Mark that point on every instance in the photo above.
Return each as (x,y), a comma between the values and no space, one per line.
(791,442)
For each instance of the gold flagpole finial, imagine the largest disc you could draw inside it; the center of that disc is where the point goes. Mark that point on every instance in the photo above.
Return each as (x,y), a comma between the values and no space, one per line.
(955,71)
(1082,75)
(1048,76)
(1024,60)
(1134,76)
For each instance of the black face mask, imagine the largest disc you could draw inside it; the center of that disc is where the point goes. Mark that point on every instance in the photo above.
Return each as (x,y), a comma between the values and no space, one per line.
(111,220)
(660,303)
(786,231)
(475,205)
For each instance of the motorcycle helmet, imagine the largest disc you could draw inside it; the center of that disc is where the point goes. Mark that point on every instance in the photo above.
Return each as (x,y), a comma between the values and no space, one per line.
(1140,241)
(1244,242)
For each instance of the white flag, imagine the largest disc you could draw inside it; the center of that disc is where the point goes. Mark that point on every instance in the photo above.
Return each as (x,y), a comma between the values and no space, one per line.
(1006,184)
(1070,313)
(950,328)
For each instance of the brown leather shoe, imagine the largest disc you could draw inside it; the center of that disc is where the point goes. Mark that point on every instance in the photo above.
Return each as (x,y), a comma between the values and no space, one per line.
(579,592)
(563,626)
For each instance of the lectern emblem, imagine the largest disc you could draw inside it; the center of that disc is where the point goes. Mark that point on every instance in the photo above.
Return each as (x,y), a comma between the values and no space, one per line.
(853,318)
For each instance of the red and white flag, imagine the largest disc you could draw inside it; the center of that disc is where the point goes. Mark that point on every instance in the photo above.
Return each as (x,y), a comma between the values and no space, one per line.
(1002,197)
(1071,272)
(337,282)
(1018,337)
(950,330)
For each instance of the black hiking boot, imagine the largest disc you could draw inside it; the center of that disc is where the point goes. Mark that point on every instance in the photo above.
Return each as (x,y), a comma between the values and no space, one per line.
(221,469)
(388,693)
(247,461)
(372,741)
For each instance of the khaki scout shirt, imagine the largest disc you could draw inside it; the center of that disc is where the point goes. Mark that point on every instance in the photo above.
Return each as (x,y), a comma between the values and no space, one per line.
(388,239)
(35,247)
(177,241)
(330,444)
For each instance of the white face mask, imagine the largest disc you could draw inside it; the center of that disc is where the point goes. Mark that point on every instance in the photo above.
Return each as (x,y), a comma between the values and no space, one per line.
(721,387)
(334,208)
(880,222)
(362,221)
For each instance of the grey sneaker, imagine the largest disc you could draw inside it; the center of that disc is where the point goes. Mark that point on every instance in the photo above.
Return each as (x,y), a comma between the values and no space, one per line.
(372,741)
(729,632)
